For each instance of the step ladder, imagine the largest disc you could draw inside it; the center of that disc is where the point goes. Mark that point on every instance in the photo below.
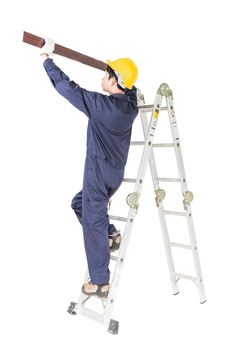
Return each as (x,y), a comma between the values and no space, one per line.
(163,93)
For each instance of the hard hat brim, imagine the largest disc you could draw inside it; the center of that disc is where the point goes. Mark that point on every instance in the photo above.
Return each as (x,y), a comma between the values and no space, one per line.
(110,64)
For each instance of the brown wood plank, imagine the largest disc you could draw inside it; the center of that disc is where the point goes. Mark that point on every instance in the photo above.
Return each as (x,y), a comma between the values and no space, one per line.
(65,52)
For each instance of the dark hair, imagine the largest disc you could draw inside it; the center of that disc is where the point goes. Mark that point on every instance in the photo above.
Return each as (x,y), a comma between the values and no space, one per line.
(112,74)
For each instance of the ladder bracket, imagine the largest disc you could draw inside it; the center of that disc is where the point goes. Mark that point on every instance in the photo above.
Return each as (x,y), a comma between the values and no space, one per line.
(188,197)
(160,195)
(132,200)
(140,96)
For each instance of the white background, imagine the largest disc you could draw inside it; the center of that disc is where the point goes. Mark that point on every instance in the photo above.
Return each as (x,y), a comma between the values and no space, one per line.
(202,50)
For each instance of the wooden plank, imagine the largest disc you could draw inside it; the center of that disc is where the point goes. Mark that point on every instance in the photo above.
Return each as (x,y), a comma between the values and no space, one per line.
(65,52)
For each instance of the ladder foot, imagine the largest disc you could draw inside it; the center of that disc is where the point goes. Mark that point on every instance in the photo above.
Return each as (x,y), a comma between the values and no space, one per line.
(176,293)
(113,327)
(203,302)
(71,309)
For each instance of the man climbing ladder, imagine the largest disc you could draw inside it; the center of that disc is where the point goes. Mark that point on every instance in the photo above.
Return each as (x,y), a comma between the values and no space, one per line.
(108,139)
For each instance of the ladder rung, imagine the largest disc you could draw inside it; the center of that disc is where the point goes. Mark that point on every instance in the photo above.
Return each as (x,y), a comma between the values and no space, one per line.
(137,143)
(177,213)
(166,179)
(129,180)
(163,144)
(187,277)
(141,143)
(149,108)
(180,245)
(112,257)
(118,218)
(90,313)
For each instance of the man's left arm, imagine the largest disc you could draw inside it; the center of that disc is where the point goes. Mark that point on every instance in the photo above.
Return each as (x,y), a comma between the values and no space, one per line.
(78,97)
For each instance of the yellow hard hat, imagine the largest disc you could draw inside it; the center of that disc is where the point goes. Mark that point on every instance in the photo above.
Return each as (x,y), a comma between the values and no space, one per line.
(126,71)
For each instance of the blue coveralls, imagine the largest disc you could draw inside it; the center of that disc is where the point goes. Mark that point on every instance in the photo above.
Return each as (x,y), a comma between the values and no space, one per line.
(108,140)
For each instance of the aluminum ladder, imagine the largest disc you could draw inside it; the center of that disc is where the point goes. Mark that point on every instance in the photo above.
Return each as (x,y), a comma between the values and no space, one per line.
(163,93)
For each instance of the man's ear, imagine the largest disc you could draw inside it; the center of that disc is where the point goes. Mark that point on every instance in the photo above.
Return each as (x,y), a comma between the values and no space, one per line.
(113,80)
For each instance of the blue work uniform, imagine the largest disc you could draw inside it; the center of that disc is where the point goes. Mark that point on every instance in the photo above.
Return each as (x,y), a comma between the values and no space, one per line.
(108,140)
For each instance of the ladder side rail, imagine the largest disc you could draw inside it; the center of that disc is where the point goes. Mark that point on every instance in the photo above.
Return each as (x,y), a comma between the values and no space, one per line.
(176,141)
(160,208)
(189,217)
(133,211)
(119,265)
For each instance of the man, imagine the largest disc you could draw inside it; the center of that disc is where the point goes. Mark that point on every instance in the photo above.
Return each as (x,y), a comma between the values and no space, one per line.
(108,139)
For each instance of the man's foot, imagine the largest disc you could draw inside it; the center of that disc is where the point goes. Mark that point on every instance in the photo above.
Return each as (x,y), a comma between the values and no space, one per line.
(101,290)
(114,241)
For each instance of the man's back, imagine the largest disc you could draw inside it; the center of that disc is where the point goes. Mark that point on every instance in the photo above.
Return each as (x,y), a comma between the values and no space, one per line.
(110,117)
(110,126)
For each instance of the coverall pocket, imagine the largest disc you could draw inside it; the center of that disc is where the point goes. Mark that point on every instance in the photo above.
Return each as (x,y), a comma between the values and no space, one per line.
(111,177)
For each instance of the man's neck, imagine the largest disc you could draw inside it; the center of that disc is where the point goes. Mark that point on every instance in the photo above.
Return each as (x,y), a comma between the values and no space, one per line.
(115,90)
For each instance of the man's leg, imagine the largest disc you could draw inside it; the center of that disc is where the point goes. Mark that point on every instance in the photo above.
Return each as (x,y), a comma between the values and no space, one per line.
(76,205)
(100,182)
(95,222)
(95,228)
(111,229)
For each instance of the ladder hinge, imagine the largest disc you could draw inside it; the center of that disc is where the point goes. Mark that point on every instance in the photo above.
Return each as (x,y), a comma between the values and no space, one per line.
(164,90)
(140,96)
(160,195)
(132,200)
(188,197)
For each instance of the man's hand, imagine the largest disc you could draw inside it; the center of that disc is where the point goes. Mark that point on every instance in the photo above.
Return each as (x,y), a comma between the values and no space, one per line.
(48,47)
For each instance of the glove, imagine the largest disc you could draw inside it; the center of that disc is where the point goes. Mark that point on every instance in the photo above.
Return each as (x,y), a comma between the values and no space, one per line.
(48,47)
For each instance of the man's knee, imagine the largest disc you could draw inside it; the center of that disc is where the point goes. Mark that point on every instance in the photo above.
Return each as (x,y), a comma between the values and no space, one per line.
(76,202)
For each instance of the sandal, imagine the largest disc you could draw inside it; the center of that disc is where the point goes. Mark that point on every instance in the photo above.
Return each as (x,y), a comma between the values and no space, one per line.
(114,241)
(101,290)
